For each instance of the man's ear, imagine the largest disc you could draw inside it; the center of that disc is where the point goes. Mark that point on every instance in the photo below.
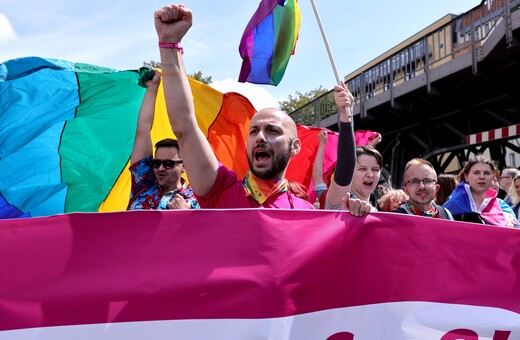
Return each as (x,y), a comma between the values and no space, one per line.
(296,147)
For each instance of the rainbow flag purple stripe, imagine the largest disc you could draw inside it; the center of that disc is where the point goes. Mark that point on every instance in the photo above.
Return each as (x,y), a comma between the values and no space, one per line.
(269,41)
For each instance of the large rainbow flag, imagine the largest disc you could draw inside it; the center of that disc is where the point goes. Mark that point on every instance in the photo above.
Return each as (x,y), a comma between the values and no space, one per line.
(67,130)
(269,41)
(257,274)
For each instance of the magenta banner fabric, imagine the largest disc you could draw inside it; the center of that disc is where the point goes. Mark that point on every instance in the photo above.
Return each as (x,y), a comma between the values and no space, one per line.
(137,266)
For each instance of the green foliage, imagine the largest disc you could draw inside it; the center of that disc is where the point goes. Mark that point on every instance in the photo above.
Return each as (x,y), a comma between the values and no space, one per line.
(197,75)
(300,99)
(153,64)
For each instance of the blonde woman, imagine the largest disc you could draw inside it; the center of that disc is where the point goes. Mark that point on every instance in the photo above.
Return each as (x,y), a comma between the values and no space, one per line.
(392,200)
(514,193)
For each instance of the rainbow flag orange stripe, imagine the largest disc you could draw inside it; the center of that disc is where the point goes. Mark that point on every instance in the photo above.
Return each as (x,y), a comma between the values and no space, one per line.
(67,132)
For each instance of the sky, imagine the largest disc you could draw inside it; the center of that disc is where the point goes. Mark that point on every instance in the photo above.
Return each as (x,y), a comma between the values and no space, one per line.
(121,35)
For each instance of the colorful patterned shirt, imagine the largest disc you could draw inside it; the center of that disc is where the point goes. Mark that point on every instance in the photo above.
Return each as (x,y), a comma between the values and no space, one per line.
(146,193)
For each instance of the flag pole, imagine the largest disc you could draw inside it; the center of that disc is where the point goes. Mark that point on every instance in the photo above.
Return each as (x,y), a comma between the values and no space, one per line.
(329,52)
(324,36)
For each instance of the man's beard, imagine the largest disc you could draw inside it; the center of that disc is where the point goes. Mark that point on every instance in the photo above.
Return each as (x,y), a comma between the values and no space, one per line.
(279,164)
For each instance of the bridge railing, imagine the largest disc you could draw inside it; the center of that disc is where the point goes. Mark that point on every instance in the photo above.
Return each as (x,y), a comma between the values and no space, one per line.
(462,35)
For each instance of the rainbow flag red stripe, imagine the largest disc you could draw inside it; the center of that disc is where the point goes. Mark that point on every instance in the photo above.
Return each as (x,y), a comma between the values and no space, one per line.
(60,152)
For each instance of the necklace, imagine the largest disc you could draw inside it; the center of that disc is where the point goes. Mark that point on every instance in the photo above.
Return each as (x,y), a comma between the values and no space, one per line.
(432,212)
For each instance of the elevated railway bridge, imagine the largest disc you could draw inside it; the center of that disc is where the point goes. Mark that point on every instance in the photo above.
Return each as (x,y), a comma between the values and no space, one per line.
(449,91)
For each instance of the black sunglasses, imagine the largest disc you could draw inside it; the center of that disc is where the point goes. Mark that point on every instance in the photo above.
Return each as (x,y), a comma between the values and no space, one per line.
(167,163)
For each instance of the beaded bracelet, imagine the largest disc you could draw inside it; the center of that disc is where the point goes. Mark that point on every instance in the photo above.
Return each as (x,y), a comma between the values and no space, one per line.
(172,45)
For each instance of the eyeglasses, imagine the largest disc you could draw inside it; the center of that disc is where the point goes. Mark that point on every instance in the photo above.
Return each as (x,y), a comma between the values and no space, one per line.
(167,163)
(428,182)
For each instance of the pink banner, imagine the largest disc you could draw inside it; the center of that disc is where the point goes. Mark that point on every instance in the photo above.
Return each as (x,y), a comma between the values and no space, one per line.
(108,268)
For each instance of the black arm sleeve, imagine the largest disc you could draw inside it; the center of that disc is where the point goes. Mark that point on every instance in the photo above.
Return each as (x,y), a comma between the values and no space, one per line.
(346,161)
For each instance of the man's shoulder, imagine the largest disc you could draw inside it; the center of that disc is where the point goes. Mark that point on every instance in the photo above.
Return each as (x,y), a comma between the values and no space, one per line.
(142,171)
(301,203)
(401,210)
(226,192)
(225,178)
(144,162)
(443,212)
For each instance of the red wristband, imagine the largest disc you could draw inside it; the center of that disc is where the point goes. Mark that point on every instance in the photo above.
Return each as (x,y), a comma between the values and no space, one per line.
(166,44)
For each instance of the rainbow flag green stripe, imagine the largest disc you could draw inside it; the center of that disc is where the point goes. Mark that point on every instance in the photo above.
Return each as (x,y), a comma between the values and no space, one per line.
(67,131)
(52,120)
(269,41)
(89,154)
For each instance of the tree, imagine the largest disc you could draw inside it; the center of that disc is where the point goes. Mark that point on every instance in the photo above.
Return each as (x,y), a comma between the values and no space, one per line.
(154,64)
(197,75)
(300,99)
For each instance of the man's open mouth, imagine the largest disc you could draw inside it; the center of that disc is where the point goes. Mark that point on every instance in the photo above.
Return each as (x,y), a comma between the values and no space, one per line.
(261,155)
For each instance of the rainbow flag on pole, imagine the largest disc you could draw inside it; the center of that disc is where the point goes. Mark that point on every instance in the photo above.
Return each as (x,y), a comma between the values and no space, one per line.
(269,41)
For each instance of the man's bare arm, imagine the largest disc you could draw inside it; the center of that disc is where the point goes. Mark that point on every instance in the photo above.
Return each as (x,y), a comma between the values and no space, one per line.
(172,23)
(142,142)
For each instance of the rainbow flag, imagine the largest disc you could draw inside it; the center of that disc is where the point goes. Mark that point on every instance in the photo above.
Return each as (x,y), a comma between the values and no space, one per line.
(301,166)
(67,132)
(269,41)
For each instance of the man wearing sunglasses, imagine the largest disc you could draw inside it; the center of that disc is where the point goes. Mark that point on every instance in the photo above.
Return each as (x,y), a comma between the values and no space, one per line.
(420,184)
(157,183)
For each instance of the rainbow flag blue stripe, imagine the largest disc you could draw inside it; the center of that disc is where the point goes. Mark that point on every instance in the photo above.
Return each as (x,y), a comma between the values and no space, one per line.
(53,131)
(269,41)
(67,131)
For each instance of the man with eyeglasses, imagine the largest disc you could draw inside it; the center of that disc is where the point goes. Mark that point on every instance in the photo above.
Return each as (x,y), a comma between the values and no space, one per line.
(157,183)
(420,184)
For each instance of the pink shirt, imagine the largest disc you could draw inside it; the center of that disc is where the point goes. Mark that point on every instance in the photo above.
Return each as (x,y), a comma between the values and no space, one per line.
(227,192)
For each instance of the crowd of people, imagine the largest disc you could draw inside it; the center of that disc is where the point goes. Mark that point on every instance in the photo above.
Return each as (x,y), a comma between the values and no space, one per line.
(272,141)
